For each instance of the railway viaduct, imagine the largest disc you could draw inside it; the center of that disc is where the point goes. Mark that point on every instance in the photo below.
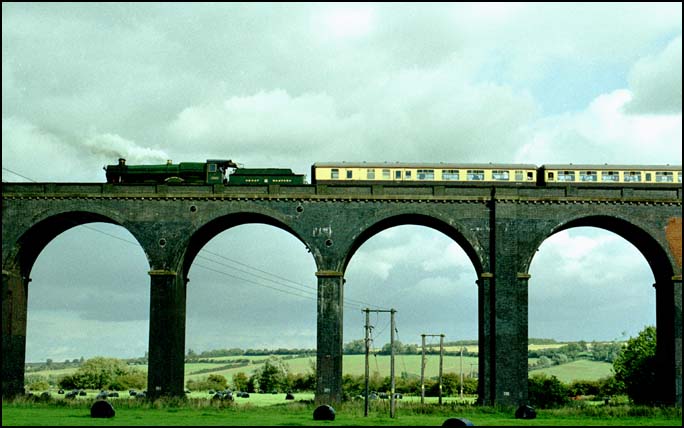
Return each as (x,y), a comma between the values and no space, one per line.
(500,229)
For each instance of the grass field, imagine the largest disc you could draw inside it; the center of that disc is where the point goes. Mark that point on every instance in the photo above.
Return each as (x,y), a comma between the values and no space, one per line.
(203,412)
(354,364)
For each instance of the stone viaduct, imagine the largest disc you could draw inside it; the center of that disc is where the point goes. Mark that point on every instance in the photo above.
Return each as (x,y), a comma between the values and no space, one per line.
(500,229)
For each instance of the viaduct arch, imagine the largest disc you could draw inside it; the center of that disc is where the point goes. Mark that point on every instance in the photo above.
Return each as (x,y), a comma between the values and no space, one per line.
(499,228)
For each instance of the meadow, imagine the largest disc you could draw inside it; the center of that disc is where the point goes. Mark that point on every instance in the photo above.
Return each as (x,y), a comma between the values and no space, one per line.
(258,412)
(354,364)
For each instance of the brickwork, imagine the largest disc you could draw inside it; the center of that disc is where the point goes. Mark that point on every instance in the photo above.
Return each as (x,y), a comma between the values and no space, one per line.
(500,230)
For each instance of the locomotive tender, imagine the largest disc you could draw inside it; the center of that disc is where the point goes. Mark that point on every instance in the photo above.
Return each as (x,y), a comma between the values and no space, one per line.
(217,172)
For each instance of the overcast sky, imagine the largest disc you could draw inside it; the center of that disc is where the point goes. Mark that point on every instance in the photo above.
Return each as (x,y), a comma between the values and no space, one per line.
(287,85)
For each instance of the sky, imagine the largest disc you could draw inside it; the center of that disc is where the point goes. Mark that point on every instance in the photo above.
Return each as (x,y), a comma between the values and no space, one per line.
(290,84)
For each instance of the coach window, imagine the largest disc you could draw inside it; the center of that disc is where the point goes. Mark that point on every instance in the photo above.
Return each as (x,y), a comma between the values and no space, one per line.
(633,176)
(501,175)
(334,174)
(386,174)
(450,174)
(588,176)
(664,177)
(397,175)
(519,175)
(566,175)
(349,174)
(370,174)
(679,177)
(475,175)
(426,174)
(407,174)
(610,176)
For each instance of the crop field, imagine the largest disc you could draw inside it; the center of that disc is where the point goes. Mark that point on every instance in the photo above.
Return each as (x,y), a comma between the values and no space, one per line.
(354,364)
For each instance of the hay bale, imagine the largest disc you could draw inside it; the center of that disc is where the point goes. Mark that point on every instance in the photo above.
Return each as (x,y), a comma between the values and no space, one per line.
(324,413)
(457,422)
(289,396)
(102,409)
(525,412)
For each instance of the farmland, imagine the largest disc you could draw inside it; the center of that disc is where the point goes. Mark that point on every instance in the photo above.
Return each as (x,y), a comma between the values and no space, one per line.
(354,365)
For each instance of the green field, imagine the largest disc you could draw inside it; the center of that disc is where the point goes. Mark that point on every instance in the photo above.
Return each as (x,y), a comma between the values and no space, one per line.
(578,370)
(354,364)
(207,413)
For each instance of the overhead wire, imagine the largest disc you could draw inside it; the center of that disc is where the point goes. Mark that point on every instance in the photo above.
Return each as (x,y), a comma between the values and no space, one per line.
(309,292)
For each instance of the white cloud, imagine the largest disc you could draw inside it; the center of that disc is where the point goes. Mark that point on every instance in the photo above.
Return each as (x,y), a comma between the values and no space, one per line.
(603,133)
(656,82)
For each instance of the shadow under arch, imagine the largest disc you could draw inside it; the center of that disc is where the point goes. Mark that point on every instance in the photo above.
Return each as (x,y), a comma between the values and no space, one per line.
(655,255)
(213,228)
(416,220)
(34,240)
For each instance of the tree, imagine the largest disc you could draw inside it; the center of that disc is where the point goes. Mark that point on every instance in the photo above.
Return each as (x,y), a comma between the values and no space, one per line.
(546,391)
(635,367)
(240,381)
(355,347)
(272,375)
(102,373)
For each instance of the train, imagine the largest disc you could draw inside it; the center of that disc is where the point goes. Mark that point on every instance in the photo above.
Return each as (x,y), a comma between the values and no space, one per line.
(213,171)
(227,172)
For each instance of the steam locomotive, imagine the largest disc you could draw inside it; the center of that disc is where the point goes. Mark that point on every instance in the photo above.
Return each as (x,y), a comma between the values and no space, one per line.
(213,171)
(229,173)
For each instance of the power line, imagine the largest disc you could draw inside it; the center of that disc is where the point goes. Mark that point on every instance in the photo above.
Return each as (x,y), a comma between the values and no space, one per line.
(16,173)
(300,288)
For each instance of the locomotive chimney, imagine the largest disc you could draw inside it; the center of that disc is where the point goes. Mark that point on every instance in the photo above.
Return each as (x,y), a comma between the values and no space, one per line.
(169,162)
(122,162)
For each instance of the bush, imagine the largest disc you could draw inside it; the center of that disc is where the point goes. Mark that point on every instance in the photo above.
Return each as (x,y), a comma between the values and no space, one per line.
(635,367)
(547,391)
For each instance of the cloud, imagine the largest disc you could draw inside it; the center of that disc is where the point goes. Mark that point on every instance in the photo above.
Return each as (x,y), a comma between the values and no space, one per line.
(656,82)
(603,133)
(45,155)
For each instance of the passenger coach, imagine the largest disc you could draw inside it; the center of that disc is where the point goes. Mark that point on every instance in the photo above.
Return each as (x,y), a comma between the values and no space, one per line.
(329,172)
(607,174)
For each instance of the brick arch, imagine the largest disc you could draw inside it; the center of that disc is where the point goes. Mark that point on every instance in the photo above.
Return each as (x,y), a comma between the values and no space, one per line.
(643,240)
(469,243)
(218,225)
(32,242)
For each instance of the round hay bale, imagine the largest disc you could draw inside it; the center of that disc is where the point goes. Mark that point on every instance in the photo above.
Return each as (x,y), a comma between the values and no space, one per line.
(324,413)
(102,409)
(457,422)
(525,412)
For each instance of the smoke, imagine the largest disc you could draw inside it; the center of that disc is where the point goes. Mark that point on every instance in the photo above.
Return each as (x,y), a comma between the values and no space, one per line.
(112,147)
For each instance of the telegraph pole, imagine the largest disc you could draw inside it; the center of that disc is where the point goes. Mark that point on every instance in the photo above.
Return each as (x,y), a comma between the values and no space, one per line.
(393,401)
(368,328)
(422,372)
(441,365)
(392,327)
(422,366)
(461,372)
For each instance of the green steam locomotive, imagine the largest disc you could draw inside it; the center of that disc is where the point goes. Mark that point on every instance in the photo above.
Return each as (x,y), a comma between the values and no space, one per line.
(213,171)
